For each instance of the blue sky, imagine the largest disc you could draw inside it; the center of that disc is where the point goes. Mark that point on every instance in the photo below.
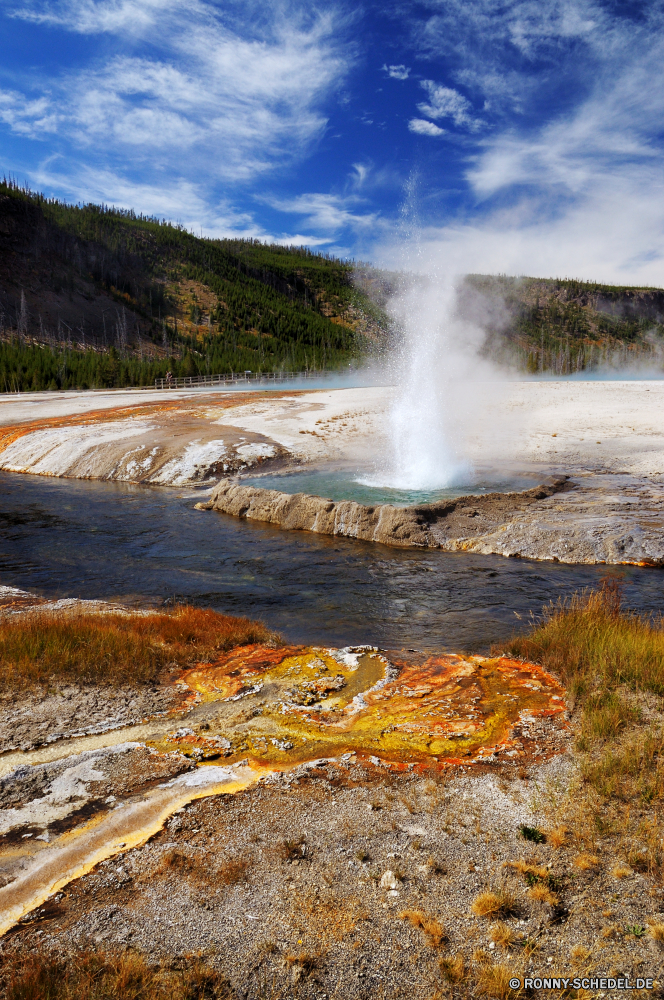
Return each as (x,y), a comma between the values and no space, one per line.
(464,135)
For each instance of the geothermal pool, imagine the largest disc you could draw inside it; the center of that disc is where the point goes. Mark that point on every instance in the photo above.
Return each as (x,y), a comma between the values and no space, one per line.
(349,484)
(140,544)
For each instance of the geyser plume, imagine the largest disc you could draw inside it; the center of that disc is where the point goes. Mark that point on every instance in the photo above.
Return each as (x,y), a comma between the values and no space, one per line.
(435,411)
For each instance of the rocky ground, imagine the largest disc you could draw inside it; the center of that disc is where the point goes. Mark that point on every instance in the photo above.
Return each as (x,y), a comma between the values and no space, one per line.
(356,875)
(346,880)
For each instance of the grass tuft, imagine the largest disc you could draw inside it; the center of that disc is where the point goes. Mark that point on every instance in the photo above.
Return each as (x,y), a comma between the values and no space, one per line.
(494,981)
(586,861)
(542,894)
(41,647)
(493,904)
(433,930)
(453,969)
(502,934)
(105,976)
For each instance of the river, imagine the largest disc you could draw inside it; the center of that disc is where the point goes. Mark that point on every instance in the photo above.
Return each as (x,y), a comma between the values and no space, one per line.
(148,545)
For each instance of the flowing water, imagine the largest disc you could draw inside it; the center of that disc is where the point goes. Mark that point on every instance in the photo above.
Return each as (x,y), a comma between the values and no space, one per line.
(112,541)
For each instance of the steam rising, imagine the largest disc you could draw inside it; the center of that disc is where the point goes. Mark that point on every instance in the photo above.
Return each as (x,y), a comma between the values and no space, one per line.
(439,406)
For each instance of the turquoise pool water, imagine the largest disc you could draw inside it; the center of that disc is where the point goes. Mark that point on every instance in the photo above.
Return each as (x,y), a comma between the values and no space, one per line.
(343,484)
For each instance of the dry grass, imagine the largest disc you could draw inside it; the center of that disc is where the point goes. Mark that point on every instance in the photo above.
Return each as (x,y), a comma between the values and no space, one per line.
(542,894)
(494,981)
(40,647)
(656,931)
(612,663)
(111,976)
(502,934)
(529,870)
(590,643)
(453,969)
(432,929)
(557,837)
(580,954)
(586,861)
(493,904)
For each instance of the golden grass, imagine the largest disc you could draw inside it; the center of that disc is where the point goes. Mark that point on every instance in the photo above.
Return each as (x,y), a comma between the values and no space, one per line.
(42,647)
(621,871)
(453,969)
(656,931)
(493,904)
(586,861)
(542,894)
(590,643)
(494,981)
(612,663)
(432,929)
(579,954)
(557,837)
(105,976)
(502,934)
(525,868)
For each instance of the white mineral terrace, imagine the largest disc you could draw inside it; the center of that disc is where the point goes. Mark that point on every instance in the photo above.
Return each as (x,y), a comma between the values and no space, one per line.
(607,436)
(580,426)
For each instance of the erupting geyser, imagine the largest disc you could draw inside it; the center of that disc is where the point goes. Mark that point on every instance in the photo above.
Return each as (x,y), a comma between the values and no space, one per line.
(436,358)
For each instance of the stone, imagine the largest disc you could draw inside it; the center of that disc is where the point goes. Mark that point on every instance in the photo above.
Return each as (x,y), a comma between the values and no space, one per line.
(389,880)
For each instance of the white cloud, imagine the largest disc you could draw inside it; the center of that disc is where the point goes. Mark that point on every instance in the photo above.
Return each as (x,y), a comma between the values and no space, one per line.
(444,102)
(422,127)
(580,196)
(328,213)
(399,72)
(204,95)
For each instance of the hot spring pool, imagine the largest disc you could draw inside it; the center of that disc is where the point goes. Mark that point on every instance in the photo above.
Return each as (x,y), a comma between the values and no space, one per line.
(346,484)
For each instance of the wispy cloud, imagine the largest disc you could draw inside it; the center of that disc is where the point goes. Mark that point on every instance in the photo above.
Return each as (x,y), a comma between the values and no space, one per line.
(202,96)
(422,127)
(580,192)
(445,102)
(328,213)
(399,72)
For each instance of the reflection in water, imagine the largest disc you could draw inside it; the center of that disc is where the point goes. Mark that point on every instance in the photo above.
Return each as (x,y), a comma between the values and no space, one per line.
(72,538)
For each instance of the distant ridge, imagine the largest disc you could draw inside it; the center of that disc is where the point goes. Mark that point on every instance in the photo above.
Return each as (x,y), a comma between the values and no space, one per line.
(92,296)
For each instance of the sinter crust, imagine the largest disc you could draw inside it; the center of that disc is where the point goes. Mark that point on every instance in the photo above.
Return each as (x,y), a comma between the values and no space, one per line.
(448,524)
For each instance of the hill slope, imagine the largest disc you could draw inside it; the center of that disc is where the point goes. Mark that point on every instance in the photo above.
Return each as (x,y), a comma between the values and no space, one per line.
(96,297)
(566,326)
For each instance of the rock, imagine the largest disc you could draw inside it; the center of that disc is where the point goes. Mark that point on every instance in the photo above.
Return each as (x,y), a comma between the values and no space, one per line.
(449,524)
(389,880)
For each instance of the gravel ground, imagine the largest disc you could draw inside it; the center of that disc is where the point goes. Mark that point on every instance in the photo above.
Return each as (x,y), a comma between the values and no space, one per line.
(323,883)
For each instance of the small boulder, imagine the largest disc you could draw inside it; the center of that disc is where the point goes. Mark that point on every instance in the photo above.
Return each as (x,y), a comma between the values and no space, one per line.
(389,881)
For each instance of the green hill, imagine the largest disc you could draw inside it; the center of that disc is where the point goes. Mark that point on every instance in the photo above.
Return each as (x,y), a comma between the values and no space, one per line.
(93,297)
(99,297)
(565,326)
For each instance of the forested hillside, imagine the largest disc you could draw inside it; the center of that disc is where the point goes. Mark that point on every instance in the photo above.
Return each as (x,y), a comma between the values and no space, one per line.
(98,297)
(566,326)
(93,297)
